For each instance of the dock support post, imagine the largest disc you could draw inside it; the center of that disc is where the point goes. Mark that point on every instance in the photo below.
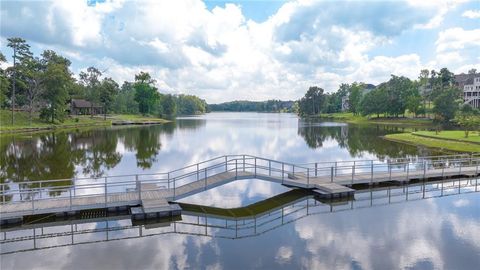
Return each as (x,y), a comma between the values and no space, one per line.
(331,174)
(353,171)
(243,162)
(424,169)
(308,177)
(371,173)
(138,185)
(316,168)
(408,170)
(105,185)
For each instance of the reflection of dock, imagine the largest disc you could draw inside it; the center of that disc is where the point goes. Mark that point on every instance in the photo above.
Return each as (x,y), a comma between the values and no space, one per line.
(154,195)
(198,220)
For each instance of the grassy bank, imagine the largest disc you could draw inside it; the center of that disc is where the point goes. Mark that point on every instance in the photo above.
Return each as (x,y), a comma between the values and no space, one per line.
(439,143)
(358,119)
(22,122)
(452,135)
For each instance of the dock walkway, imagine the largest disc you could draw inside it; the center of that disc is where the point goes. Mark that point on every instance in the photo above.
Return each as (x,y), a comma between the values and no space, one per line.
(153,195)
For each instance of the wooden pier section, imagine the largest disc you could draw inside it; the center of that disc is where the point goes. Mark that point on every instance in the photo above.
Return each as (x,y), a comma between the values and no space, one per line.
(155,195)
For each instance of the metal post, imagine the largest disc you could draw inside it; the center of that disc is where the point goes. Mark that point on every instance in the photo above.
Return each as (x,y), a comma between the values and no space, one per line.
(269,168)
(424,169)
(3,192)
(198,173)
(353,171)
(331,174)
(236,169)
(105,192)
(138,184)
(371,173)
(390,172)
(205,178)
(173,188)
(408,171)
(226,167)
(308,177)
(255,166)
(243,162)
(283,171)
(32,197)
(140,190)
(316,168)
(335,168)
(70,191)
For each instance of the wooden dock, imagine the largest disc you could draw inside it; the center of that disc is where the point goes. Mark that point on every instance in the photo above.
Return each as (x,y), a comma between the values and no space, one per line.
(150,196)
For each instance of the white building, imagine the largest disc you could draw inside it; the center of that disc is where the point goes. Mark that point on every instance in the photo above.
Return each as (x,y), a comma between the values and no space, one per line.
(471,92)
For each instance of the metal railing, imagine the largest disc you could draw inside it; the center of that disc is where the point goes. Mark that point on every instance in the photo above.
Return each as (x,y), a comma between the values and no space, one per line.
(108,191)
(202,224)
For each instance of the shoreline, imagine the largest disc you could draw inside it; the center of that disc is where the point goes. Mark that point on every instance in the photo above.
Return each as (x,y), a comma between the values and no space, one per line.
(357,119)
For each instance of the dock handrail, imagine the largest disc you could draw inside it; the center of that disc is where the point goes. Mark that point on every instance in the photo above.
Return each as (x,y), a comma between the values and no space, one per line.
(14,192)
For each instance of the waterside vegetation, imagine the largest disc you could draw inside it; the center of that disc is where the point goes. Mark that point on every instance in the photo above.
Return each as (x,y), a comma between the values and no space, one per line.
(39,92)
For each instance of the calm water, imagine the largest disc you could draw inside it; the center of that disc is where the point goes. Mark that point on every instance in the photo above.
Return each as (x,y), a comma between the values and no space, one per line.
(368,233)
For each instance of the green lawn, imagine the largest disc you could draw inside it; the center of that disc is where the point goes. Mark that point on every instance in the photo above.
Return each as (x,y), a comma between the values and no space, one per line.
(136,118)
(358,119)
(457,135)
(449,145)
(22,122)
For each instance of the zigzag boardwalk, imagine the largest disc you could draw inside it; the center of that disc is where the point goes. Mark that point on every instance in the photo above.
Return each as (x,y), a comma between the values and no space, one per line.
(154,195)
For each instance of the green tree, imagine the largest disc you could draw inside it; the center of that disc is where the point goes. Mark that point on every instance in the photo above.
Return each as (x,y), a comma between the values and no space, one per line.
(125,100)
(32,70)
(146,93)
(91,81)
(355,97)
(169,106)
(446,104)
(468,118)
(414,100)
(4,83)
(313,101)
(374,102)
(57,80)
(20,50)
(108,91)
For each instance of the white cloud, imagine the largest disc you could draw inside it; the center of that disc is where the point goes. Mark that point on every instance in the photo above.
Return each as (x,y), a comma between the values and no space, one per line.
(457,38)
(220,54)
(471,14)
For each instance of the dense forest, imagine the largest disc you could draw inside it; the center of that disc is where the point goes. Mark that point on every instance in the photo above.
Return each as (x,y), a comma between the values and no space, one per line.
(253,106)
(44,85)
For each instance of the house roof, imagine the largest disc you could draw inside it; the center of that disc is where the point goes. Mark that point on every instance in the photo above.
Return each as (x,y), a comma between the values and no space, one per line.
(82,103)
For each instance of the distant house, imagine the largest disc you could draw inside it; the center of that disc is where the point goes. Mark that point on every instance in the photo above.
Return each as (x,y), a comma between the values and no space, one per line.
(470,84)
(346,101)
(81,106)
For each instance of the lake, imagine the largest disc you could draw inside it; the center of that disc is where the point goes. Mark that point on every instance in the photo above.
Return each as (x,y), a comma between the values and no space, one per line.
(378,230)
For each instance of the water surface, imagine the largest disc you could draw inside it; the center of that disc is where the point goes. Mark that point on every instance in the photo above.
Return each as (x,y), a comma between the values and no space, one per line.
(408,232)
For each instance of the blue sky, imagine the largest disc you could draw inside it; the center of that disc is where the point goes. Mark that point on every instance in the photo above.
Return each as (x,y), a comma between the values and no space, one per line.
(257,50)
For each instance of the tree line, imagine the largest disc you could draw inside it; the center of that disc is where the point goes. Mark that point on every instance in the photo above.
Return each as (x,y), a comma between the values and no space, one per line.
(46,84)
(253,106)
(433,92)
